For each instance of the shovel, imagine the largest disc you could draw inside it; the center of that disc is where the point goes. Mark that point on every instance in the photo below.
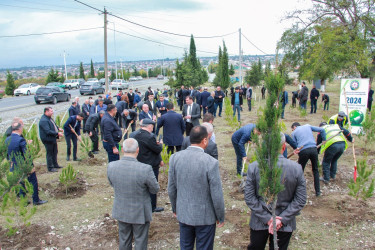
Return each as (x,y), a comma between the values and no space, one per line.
(242,185)
(90,154)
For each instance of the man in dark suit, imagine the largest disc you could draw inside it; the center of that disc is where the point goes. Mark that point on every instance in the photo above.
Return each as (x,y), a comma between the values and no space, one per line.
(78,107)
(17,150)
(211,147)
(290,202)
(173,131)
(161,105)
(314,95)
(191,114)
(132,182)
(49,132)
(182,94)
(249,96)
(198,98)
(370,98)
(149,153)
(151,104)
(120,106)
(204,99)
(112,133)
(131,98)
(195,192)
(92,128)
(145,113)
(211,103)
(219,97)
(73,124)
(129,116)
(86,113)
(72,110)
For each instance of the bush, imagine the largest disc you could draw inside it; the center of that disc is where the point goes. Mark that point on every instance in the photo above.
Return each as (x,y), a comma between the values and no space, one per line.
(68,177)
(10,87)
(363,187)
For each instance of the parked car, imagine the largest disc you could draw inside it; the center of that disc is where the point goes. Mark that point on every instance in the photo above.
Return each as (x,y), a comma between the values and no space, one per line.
(71,83)
(139,78)
(119,84)
(133,78)
(160,77)
(102,81)
(51,94)
(26,89)
(56,84)
(92,80)
(92,88)
(81,81)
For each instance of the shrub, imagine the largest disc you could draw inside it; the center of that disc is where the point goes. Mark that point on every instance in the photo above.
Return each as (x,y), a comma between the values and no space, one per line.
(68,177)
(363,187)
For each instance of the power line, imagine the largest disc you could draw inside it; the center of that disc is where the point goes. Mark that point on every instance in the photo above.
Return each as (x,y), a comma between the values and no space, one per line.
(33,8)
(154,29)
(49,33)
(254,44)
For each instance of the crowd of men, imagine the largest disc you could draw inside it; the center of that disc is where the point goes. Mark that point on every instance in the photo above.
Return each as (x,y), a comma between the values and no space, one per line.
(194,183)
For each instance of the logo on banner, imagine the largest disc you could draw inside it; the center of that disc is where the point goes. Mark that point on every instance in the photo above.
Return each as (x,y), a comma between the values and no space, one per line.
(354,85)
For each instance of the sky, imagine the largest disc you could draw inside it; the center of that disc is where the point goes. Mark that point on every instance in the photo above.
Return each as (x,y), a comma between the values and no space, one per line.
(260,22)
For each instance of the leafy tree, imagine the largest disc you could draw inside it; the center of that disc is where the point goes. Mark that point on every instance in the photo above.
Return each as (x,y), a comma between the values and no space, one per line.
(268,147)
(255,75)
(267,70)
(92,71)
(113,75)
(10,87)
(53,76)
(231,70)
(81,71)
(212,68)
(135,72)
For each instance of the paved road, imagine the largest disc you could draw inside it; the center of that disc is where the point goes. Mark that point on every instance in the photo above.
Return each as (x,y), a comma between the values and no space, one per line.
(13,103)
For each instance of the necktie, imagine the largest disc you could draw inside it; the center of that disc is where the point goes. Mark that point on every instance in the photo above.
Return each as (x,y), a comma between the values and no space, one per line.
(162,104)
(149,116)
(54,125)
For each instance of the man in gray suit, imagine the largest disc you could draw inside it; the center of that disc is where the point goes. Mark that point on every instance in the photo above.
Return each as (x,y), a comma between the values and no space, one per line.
(191,113)
(195,192)
(132,182)
(290,202)
(211,147)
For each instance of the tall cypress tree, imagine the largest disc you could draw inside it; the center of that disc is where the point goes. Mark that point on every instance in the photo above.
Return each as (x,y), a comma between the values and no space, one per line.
(225,68)
(81,71)
(217,80)
(193,54)
(10,87)
(92,71)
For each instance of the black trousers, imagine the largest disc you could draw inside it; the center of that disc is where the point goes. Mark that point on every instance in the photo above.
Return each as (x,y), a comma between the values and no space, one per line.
(313,106)
(153,196)
(259,238)
(69,138)
(33,181)
(84,125)
(170,149)
(311,154)
(249,104)
(51,154)
(95,141)
(189,126)
(203,236)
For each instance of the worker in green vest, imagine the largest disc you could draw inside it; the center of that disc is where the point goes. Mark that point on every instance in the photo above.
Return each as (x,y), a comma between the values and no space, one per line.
(334,147)
(341,119)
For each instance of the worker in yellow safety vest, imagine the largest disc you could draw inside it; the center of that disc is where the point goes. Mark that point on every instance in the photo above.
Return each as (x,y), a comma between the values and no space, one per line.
(334,147)
(341,119)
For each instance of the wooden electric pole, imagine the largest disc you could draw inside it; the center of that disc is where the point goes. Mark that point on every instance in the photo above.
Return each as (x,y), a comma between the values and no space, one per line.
(105,51)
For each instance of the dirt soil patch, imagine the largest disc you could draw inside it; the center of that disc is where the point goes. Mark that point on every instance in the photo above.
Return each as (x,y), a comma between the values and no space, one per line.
(93,161)
(77,190)
(239,236)
(33,236)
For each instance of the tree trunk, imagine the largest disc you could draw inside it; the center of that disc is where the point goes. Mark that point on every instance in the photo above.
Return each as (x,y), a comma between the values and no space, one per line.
(276,246)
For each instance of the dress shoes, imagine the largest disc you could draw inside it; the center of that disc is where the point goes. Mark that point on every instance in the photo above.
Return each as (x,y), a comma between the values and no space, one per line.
(158,209)
(95,152)
(52,170)
(40,202)
(58,166)
(67,158)
(76,159)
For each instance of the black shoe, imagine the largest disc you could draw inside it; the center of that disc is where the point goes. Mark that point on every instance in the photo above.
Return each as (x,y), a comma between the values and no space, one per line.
(68,158)
(95,152)
(76,159)
(58,166)
(52,170)
(323,180)
(158,209)
(40,202)
(219,115)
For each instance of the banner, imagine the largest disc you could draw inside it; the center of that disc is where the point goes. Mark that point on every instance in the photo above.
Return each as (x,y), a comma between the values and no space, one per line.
(356,97)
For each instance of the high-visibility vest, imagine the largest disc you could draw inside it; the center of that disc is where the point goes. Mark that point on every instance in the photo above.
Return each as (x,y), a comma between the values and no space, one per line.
(334,118)
(331,130)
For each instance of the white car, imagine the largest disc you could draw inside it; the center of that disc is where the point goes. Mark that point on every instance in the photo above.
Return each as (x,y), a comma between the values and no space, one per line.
(133,78)
(72,83)
(119,84)
(139,78)
(26,89)
(92,80)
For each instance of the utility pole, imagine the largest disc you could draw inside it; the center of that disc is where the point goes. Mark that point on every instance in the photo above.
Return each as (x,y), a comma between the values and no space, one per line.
(105,51)
(122,71)
(114,39)
(240,59)
(66,74)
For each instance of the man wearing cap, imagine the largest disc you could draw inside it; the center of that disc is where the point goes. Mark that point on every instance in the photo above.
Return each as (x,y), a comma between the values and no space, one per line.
(341,119)
(92,128)
(303,136)
(333,148)
(237,102)
(111,133)
(149,153)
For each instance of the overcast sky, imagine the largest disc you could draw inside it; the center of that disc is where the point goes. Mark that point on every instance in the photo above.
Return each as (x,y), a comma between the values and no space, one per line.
(260,22)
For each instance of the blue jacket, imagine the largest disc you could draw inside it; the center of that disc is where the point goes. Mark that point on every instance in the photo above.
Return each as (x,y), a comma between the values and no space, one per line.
(210,105)
(242,136)
(204,97)
(47,131)
(72,111)
(143,115)
(158,105)
(174,127)
(98,108)
(72,121)
(137,98)
(92,109)
(285,100)
(303,136)
(111,131)
(16,146)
